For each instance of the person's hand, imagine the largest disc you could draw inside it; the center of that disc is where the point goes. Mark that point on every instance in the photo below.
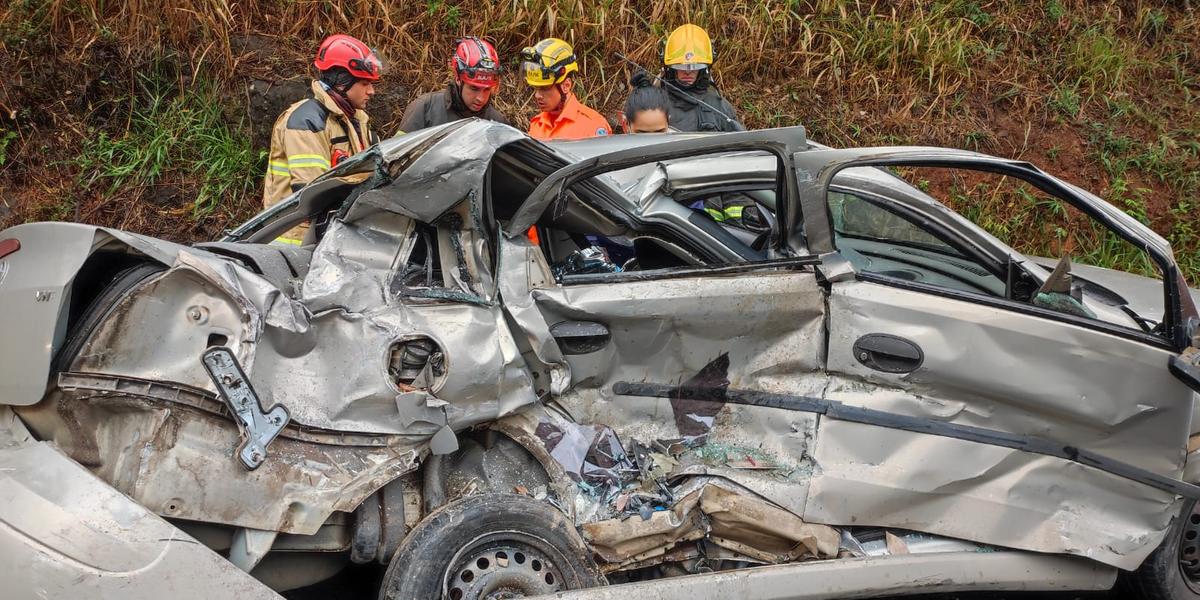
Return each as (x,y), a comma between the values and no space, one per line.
(641,79)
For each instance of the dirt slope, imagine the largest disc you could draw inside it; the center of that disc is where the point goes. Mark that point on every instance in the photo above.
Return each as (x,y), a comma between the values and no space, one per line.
(154,116)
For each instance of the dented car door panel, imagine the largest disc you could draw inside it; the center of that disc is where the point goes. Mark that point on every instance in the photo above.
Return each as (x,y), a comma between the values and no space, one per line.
(761,330)
(1073,384)
(1003,371)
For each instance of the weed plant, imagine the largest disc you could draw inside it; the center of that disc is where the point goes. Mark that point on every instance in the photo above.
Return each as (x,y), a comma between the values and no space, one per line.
(176,138)
(1103,93)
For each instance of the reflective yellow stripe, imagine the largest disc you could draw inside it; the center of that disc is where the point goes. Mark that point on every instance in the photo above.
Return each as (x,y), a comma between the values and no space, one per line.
(298,161)
(289,241)
(301,164)
(734,212)
(715,214)
(280,167)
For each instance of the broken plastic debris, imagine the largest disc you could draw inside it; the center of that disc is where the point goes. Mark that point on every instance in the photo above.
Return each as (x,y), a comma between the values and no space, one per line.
(445,441)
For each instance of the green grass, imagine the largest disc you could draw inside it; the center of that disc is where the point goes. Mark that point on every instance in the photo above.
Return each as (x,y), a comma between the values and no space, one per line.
(6,138)
(1100,61)
(177,137)
(1020,80)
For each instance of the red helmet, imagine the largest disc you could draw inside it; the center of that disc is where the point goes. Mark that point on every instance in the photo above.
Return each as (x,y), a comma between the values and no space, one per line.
(344,51)
(475,62)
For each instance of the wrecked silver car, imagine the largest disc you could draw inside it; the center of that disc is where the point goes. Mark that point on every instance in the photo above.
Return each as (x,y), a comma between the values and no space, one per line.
(505,368)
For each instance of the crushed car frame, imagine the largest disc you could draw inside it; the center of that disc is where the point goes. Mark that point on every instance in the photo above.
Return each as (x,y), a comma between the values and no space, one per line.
(506,367)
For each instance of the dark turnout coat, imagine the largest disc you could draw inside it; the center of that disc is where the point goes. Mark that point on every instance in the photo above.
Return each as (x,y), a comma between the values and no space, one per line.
(686,114)
(443,106)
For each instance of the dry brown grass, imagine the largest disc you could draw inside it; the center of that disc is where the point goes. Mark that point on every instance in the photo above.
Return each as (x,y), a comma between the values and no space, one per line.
(1054,81)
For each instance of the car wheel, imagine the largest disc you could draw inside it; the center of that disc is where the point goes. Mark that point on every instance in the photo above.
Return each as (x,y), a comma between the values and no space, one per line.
(490,546)
(1172,571)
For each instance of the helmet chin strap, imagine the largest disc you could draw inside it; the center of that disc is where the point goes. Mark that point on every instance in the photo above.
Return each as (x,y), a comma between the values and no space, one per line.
(562,99)
(456,101)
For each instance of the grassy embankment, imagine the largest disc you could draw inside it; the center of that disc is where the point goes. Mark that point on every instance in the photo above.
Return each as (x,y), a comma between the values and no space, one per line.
(152,115)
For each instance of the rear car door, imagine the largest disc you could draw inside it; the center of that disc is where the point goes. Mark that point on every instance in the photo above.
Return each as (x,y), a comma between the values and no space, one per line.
(957,408)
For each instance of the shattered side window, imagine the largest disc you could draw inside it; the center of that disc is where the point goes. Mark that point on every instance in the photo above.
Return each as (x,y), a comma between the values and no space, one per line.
(442,262)
(1082,267)
(857,217)
(422,269)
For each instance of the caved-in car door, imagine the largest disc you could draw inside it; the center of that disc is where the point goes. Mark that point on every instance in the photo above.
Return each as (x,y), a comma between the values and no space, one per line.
(973,397)
(757,322)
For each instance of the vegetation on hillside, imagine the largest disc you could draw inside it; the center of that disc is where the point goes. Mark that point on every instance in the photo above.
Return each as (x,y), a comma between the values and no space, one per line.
(152,115)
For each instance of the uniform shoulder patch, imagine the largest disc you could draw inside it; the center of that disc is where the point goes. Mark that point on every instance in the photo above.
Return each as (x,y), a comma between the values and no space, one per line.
(309,116)
(601,131)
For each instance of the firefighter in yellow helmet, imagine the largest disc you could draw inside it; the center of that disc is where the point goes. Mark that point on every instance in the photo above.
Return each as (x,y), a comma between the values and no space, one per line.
(696,104)
(549,69)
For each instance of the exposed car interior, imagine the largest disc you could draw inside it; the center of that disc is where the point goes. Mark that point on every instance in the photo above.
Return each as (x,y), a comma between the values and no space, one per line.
(579,236)
(691,214)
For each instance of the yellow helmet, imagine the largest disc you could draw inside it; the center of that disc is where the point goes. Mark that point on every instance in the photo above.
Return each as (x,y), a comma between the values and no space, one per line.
(548,63)
(688,49)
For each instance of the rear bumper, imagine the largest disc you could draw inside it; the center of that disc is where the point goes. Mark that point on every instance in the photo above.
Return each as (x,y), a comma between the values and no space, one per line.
(66,534)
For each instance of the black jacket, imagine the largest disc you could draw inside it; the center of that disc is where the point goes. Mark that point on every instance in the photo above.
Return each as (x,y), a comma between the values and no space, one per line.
(686,114)
(443,106)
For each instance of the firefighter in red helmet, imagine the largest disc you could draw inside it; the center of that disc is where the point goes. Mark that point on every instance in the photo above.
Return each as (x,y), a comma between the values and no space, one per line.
(317,133)
(476,70)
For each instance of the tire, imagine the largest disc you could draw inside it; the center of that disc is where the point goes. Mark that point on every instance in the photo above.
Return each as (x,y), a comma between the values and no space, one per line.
(504,544)
(1164,576)
(100,307)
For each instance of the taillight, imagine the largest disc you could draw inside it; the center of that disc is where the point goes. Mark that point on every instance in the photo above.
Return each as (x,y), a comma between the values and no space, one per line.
(9,246)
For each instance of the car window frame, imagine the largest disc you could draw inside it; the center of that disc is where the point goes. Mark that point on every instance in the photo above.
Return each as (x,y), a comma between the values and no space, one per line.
(934,228)
(781,143)
(820,167)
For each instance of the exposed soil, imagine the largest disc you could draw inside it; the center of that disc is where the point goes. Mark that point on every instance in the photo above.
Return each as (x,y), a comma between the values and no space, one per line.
(69,79)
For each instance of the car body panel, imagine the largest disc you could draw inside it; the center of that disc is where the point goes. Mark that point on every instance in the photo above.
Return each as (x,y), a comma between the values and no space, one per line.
(66,533)
(1081,407)
(406,246)
(35,290)
(1017,374)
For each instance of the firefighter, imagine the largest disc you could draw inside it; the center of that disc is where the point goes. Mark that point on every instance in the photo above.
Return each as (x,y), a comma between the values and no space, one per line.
(315,134)
(476,68)
(549,69)
(687,66)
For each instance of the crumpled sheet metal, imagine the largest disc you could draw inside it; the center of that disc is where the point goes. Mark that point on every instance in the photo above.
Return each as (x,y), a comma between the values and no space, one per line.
(443,175)
(523,269)
(739,522)
(67,534)
(176,461)
(176,313)
(1134,413)
(771,328)
(350,267)
(334,364)
(343,384)
(983,493)
(159,331)
(255,294)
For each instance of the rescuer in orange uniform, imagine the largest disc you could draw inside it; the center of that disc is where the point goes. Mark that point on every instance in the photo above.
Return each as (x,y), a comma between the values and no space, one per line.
(549,67)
